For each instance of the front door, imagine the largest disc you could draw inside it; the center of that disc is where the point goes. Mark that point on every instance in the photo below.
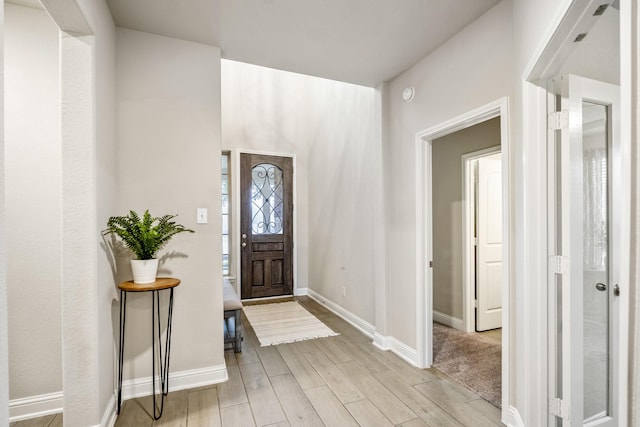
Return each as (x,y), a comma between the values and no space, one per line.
(266,225)
(584,261)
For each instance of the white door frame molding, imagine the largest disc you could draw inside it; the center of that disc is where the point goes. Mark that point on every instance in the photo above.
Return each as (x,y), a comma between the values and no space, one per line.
(424,241)
(468,218)
(572,17)
(235,213)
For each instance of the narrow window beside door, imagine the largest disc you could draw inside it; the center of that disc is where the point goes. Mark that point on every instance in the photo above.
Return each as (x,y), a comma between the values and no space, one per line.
(226,260)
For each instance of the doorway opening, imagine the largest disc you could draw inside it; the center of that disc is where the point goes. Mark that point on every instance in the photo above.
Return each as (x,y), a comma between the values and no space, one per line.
(427,185)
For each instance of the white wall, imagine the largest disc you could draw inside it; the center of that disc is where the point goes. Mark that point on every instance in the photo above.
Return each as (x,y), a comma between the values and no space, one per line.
(331,129)
(4,341)
(470,70)
(33,192)
(99,18)
(448,202)
(168,161)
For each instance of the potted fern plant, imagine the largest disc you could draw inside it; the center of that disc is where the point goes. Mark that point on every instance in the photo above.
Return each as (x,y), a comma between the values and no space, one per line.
(144,236)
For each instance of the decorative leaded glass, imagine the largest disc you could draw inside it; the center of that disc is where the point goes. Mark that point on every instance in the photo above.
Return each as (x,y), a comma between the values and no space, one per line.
(266,199)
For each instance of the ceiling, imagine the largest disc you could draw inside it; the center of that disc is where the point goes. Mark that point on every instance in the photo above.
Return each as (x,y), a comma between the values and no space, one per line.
(364,42)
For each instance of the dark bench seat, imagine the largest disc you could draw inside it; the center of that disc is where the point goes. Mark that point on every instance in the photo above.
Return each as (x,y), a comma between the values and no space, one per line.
(232,317)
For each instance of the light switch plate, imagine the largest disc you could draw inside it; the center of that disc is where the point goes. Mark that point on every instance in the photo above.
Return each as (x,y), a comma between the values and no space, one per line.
(202,216)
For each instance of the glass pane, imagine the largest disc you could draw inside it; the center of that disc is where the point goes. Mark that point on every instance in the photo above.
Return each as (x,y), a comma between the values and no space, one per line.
(225,164)
(225,224)
(266,199)
(596,260)
(225,184)
(225,245)
(225,204)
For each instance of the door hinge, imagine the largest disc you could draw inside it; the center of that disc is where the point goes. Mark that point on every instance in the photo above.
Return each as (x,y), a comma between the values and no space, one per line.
(559,264)
(475,303)
(559,408)
(558,120)
(475,241)
(430,264)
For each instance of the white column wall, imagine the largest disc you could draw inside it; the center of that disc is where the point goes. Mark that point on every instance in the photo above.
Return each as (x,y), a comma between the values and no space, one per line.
(33,197)
(168,161)
(4,350)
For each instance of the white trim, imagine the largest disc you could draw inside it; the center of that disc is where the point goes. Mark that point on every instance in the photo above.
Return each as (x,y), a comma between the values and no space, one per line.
(235,213)
(300,292)
(468,219)
(382,342)
(35,406)
(268,298)
(628,81)
(447,320)
(182,380)
(399,348)
(362,325)
(424,279)
(512,418)
(109,417)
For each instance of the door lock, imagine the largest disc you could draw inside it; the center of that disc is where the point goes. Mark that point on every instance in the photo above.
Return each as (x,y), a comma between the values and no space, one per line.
(601,287)
(244,236)
(244,244)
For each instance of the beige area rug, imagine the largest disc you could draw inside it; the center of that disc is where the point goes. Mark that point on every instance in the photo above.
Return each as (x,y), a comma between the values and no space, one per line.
(284,322)
(471,359)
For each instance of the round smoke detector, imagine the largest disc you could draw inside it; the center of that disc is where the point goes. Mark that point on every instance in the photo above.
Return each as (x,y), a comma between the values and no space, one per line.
(408,94)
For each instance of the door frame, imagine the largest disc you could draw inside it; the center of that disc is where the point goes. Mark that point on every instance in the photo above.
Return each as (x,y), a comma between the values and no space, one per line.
(571,18)
(235,217)
(468,219)
(424,233)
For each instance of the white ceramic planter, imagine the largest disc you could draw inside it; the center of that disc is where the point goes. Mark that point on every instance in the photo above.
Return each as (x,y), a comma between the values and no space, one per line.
(144,271)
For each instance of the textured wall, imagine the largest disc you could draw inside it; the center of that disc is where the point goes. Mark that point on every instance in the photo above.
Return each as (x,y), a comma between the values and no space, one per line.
(331,128)
(470,70)
(4,342)
(168,157)
(33,197)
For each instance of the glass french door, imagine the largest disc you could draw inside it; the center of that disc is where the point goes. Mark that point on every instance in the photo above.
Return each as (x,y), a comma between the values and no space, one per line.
(584,270)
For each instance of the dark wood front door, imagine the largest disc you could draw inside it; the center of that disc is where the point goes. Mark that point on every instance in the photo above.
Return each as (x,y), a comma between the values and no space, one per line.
(266,225)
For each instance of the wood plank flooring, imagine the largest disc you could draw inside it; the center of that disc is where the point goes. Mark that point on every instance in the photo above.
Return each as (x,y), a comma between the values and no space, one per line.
(336,381)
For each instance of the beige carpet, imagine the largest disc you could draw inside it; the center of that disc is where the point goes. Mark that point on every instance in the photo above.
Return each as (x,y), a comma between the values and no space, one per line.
(471,359)
(284,322)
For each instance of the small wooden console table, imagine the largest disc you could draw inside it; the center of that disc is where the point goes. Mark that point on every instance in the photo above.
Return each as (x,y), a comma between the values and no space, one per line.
(160,284)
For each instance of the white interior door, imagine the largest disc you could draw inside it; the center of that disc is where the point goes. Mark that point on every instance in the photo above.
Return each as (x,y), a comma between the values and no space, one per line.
(586,179)
(489,248)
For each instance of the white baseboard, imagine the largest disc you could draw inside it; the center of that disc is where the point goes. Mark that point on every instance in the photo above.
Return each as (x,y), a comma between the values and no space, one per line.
(382,342)
(109,416)
(447,320)
(35,406)
(300,292)
(362,325)
(512,417)
(402,350)
(177,381)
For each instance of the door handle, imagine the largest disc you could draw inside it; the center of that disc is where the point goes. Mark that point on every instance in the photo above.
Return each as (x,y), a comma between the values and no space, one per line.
(244,236)
(601,287)
(616,290)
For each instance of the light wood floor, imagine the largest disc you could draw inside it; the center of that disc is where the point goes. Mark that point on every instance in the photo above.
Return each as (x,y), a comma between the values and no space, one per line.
(336,381)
